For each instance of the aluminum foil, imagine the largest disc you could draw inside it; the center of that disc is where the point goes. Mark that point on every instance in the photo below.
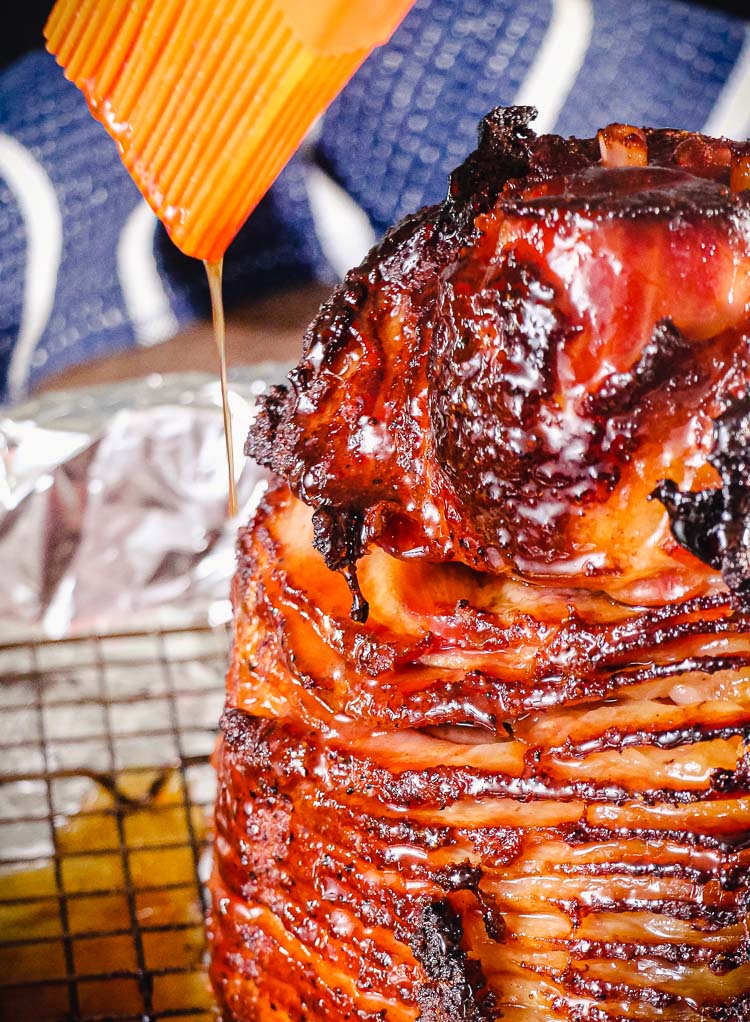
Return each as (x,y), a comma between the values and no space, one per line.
(113,504)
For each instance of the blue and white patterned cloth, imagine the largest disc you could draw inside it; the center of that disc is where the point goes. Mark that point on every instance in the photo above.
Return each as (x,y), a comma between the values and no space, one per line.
(86,271)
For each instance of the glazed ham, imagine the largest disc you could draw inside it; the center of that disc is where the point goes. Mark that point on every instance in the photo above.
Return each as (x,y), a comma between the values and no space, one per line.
(511,778)
(507,378)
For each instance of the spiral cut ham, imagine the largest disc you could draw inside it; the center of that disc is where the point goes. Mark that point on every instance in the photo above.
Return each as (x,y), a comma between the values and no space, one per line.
(495,764)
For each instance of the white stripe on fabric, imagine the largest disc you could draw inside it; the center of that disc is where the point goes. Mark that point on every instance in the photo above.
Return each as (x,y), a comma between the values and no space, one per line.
(343,228)
(558,61)
(146,301)
(731,113)
(42,218)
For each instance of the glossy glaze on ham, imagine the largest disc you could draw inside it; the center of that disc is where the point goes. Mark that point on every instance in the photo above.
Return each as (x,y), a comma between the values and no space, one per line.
(529,802)
(511,373)
(519,788)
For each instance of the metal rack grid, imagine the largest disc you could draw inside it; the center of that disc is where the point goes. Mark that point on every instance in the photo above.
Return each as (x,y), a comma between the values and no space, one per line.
(105,783)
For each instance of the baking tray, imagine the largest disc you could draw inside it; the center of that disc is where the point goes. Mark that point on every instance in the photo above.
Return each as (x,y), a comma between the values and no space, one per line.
(105,794)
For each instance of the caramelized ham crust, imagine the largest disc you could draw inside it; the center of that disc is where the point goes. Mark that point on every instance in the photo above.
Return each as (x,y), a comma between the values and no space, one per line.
(520,788)
(494,800)
(511,373)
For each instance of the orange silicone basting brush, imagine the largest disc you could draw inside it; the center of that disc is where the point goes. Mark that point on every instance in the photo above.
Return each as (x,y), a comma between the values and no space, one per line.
(208,99)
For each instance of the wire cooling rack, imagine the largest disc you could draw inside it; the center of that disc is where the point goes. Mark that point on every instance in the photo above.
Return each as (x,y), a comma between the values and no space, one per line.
(105,786)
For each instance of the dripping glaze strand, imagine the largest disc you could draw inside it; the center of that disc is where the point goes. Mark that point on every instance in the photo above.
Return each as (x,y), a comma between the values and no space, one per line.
(214,273)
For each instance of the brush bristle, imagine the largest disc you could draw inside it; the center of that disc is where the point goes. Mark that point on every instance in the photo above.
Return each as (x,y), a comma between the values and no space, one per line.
(206,99)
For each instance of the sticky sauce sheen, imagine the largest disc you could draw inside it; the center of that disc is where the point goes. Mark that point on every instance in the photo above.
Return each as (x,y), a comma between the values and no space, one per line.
(214,273)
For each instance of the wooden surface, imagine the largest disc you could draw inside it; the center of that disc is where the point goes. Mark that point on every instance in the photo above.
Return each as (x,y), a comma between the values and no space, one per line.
(271,328)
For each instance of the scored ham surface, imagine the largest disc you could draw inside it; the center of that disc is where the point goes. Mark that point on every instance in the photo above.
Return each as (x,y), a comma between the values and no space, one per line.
(512,779)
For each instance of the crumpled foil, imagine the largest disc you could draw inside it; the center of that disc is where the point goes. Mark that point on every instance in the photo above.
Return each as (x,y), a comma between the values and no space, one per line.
(113,504)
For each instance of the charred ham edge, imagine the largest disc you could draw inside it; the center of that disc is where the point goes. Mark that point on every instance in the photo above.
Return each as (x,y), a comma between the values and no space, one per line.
(458,990)
(339,537)
(714,524)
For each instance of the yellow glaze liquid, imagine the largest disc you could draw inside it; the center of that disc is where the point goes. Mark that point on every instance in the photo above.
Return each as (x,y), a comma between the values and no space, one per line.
(117,907)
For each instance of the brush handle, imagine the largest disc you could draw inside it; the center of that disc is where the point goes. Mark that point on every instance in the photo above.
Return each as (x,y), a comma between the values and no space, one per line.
(340,26)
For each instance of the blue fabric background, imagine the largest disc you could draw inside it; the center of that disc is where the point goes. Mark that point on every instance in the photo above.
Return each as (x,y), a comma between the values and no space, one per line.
(391,139)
